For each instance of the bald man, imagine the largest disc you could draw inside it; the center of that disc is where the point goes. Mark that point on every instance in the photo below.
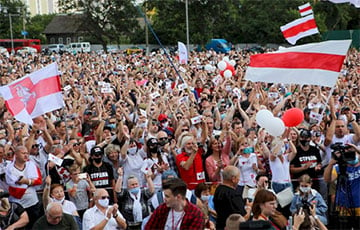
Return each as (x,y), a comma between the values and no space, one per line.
(55,219)
(226,200)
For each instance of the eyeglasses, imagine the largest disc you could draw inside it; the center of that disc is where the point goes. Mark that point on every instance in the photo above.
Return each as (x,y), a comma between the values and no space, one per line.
(184,130)
(104,197)
(76,144)
(55,217)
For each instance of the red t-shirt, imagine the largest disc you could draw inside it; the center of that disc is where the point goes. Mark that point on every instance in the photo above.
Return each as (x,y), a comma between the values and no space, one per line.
(195,174)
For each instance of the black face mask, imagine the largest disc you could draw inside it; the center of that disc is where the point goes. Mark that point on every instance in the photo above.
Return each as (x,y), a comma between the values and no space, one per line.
(153,149)
(97,160)
(304,142)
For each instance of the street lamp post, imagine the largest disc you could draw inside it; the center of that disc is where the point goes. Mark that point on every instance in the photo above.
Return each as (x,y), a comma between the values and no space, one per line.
(5,10)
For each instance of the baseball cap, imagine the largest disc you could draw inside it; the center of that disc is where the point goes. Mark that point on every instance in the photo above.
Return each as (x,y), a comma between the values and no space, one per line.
(162,117)
(96,150)
(305,133)
(87,112)
(168,174)
(152,142)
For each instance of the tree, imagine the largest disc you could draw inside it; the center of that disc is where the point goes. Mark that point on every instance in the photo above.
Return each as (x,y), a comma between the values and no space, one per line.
(36,26)
(105,20)
(18,11)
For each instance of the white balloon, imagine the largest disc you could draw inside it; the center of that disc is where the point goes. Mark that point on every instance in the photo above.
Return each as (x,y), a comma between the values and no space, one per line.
(232,62)
(275,127)
(208,67)
(227,73)
(263,116)
(226,59)
(213,68)
(221,65)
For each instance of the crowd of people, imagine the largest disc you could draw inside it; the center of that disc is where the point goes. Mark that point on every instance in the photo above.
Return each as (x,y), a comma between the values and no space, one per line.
(140,144)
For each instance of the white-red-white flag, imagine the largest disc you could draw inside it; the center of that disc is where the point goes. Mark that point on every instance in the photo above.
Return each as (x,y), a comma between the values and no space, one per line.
(34,94)
(312,64)
(305,9)
(299,28)
(356,3)
(183,54)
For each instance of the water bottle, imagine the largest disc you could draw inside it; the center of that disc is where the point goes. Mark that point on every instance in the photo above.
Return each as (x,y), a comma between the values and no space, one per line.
(290,223)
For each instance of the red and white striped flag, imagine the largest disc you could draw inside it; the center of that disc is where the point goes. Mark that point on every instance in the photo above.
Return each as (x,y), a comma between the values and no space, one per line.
(305,9)
(299,28)
(312,64)
(356,3)
(34,94)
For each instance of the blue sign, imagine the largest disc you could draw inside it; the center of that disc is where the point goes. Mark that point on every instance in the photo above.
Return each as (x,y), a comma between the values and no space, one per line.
(23,32)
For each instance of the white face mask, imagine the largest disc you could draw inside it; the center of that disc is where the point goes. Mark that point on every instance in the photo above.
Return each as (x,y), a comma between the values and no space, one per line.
(132,151)
(59,201)
(205,198)
(305,189)
(165,124)
(104,202)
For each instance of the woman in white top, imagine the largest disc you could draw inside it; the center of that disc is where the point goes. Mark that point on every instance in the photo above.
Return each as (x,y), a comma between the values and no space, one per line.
(55,193)
(246,160)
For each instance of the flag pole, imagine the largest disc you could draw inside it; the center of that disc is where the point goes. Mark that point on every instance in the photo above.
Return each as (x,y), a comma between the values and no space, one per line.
(327,102)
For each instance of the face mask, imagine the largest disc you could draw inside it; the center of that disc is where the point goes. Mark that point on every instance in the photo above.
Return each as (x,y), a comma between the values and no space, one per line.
(153,149)
(104,202)
(222,116)
(305,189)
(132,150)
(304,142)
(134,190)
(112,126)
(165,124)
(141,141)
(248,150)
(205,198)
(58,201)
(97,160)
(354,162)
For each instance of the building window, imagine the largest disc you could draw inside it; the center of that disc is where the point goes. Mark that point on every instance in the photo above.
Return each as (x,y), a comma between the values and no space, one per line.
(80,39)
(68,40)
(52,40)
(61,41)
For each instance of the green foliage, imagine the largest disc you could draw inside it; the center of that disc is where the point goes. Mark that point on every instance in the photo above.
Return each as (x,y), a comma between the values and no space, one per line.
(36,26)
(16,9)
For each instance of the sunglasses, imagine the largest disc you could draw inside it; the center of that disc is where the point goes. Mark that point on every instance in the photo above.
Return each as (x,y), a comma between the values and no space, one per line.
(185,130)
(179,118)
(76,144)
(35,146)
(163,138)
(104,197)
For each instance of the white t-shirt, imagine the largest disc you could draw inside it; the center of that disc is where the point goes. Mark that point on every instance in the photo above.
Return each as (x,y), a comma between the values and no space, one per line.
(247,173)
(94,216)
(346,139)
(280,170)
(132,165)
(174,220)
(152,164)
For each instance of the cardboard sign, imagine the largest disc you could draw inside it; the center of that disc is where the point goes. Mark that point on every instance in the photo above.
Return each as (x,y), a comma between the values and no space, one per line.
(58,161)
(67,88)
(154,95)
(182,86)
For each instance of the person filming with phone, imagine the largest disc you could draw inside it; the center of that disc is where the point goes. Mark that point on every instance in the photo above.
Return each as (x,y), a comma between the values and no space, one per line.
(345,168)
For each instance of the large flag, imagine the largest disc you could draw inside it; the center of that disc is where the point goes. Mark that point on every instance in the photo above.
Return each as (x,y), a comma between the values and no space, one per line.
(312,64)
(356,3)
(299,28)
(305,9)
(183,54)
(34,94)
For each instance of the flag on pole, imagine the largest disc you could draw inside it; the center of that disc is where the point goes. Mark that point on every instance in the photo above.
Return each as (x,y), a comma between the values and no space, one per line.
(356,3)
(299,28)
(183,54)
(305,9)
(312,64)
(34,94)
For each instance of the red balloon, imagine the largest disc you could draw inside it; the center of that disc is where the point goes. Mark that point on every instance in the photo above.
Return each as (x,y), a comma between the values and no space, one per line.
(293,117)
(231,68)
(222,72)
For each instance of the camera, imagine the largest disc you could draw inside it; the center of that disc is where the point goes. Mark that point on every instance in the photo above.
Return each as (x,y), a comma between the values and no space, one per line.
(341,152)
(306,205)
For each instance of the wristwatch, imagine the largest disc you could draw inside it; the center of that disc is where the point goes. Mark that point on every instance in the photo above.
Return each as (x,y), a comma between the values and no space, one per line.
(107,218)
(316,217)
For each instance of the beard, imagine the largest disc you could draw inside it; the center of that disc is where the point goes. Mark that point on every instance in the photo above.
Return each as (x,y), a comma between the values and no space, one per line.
(188,150)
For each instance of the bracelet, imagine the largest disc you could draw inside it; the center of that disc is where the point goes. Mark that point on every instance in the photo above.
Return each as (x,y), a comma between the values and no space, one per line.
(115,216)
(107,218)
(316,217)
(30,182)
(352,120)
